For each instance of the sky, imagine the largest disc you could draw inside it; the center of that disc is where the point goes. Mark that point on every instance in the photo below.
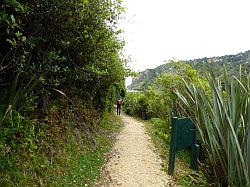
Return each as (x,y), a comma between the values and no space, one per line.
(161,30)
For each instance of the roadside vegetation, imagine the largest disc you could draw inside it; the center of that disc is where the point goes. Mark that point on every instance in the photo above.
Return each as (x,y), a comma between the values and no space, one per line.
(61,69)
(220,109)
(183,174)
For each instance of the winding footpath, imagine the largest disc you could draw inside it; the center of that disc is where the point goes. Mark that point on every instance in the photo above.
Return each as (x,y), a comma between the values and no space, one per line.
(133,161)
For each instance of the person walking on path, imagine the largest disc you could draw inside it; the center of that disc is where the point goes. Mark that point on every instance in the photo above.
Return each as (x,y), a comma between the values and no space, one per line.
(119,103)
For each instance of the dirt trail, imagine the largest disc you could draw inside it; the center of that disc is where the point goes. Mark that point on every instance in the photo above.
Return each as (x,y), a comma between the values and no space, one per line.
(133,162)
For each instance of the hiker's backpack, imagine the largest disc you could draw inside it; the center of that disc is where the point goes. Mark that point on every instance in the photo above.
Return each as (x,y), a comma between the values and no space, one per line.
(119,102)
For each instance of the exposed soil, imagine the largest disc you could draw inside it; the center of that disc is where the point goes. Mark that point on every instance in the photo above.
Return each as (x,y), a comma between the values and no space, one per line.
(133,161)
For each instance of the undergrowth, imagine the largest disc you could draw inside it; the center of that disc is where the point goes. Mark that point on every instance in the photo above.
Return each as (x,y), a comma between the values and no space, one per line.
(58,151)
(159,132)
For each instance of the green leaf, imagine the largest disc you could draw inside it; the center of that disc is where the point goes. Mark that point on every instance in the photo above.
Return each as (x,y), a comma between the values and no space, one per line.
(23,39)
(12,42)
(18,34)
(13,19)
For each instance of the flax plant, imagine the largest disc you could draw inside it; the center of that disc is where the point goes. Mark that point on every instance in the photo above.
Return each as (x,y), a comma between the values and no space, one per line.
(223,122)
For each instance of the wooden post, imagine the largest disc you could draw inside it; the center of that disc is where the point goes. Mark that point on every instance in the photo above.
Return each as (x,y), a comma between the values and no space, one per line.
(172,146)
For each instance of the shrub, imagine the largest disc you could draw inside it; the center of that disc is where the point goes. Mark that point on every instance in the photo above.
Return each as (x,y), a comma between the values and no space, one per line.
(223,122)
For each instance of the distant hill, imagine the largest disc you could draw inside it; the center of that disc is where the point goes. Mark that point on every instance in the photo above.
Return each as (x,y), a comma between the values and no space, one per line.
(232,62)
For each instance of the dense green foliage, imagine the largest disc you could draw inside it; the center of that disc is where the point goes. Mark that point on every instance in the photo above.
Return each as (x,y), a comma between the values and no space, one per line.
(60,70)
(232,62)
(159,99)
(223,120)
(71,46)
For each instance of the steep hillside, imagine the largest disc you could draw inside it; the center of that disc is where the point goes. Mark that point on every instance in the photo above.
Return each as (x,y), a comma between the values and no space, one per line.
(232,63)
(146,77)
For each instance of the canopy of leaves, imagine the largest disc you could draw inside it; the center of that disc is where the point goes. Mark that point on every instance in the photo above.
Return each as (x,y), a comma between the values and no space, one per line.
(72,46)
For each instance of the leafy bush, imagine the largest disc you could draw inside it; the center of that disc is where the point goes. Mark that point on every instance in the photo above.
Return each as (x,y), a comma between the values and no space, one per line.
(70,46)
(159,100)
(162,129)
(135,104)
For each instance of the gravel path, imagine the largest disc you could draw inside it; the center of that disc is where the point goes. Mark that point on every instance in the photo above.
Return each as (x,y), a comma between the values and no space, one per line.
(133,161)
